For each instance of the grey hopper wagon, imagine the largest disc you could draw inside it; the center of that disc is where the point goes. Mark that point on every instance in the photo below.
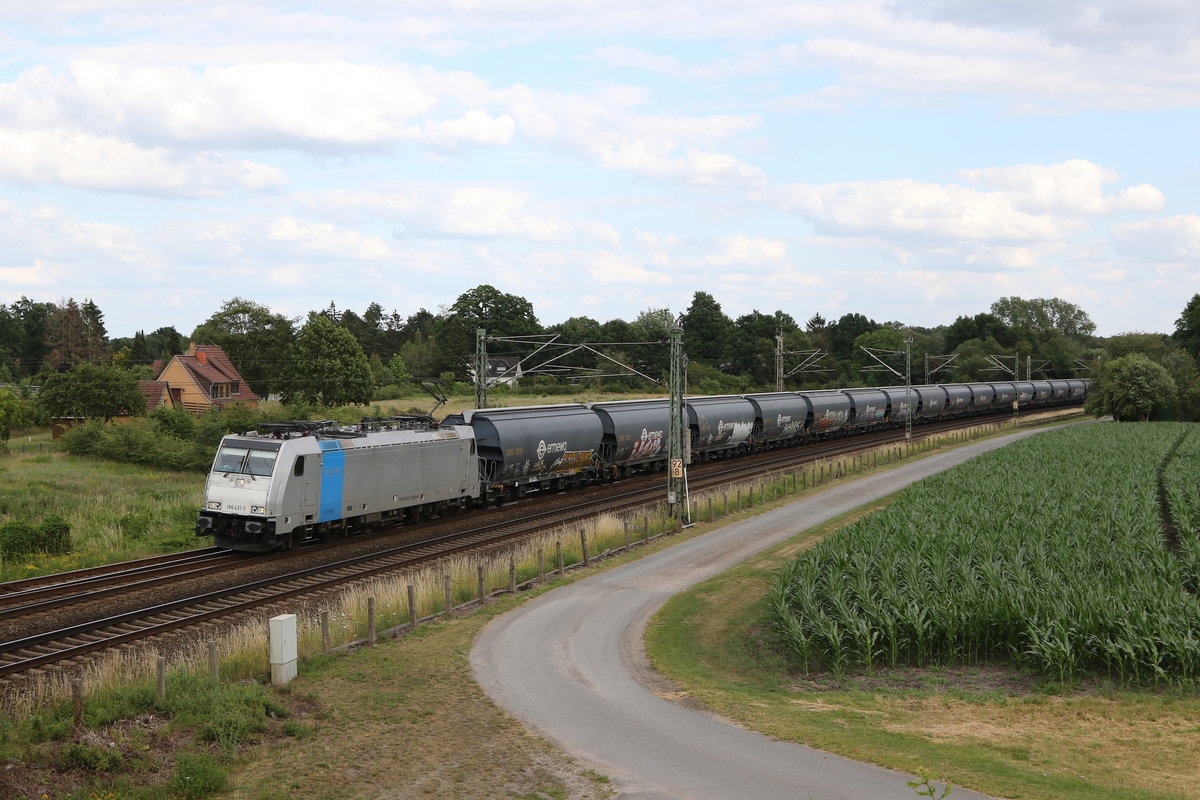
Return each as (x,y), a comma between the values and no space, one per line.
(532,444)
(719,424)
(983,396)
(779,417)
(1005,394)
(831,411)
(870,407)
(958,398)
(634,432)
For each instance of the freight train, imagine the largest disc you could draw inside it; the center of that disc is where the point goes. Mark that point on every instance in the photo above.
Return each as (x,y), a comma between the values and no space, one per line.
(295,481)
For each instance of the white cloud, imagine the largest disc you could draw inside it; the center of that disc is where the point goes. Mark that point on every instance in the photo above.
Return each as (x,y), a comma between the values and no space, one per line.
(103,163)
(258,105)
(1073,187)
(321,238)
(37,274)
(462,211)
(1171,239)
(912,210)
(608,128)
(747,251)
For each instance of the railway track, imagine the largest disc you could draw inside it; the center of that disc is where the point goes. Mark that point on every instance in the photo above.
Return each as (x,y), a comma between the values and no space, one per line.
(68,645)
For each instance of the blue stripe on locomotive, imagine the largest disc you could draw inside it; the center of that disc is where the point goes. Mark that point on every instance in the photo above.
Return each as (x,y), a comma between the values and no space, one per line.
(333,471)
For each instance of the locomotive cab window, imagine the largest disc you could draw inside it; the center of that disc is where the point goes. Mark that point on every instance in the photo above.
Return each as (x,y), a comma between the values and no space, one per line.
(298,469)
(260,462)
(243,461)
(230,459)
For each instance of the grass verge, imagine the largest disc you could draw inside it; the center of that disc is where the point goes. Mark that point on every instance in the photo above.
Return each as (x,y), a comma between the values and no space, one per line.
(992,730)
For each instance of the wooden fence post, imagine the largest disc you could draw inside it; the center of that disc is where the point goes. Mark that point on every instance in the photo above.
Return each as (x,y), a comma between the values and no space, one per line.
(412,606)
(625,530)
(326,644)
(559,555)
(214,669)
(512,576)
(479,580)
(447,590)
(160,683)
(371,620)
(587,561)
(541,566)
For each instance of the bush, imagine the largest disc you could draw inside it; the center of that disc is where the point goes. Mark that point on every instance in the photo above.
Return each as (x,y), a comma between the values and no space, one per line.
(80,440)
(17,539)
(174,422)
(55,534)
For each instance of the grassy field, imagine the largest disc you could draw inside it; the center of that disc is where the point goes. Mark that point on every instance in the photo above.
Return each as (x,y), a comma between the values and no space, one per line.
(116,511)
(992,728)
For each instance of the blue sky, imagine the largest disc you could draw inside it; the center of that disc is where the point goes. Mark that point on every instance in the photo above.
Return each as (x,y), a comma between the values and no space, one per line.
(910,160)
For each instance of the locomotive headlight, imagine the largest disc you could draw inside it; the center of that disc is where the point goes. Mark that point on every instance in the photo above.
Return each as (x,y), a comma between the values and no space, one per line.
(258,509)
(214,505)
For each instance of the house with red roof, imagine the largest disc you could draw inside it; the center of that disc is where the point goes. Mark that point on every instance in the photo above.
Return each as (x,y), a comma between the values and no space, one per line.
(204,378)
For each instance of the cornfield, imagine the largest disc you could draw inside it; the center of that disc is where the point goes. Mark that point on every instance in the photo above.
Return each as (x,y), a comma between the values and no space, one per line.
(1054,554)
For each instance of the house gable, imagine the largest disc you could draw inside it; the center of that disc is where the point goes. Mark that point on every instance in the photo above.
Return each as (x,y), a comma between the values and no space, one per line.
(204,378)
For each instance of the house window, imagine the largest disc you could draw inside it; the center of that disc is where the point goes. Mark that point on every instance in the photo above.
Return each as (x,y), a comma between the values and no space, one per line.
(218,390)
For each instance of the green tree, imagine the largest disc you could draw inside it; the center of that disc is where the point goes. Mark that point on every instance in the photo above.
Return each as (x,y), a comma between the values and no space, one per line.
(398,371)
(868,371)
(423,357)
(256,340)
(10,415)
(139,350)
(753,344)
(328,367)
(1132,388)
(91,391)
(485,307)
(843,333)
(29,346)
(1043,315)
(379,373)
(706,331)
(95,341)
(1187,327)
(66,336)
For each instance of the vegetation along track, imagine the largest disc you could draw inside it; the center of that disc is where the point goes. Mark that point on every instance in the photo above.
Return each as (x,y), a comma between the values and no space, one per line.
(66,646)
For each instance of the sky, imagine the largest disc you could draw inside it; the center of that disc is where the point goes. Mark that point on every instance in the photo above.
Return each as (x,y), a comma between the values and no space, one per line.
(911,160)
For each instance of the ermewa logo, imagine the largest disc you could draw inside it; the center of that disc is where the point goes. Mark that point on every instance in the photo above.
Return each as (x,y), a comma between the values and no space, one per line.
(553,447)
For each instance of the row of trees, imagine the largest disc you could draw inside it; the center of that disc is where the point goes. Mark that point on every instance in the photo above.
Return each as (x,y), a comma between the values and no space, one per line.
(340,356)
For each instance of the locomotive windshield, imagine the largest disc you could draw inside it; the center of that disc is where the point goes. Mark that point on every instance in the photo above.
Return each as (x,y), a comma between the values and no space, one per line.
(244,461)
